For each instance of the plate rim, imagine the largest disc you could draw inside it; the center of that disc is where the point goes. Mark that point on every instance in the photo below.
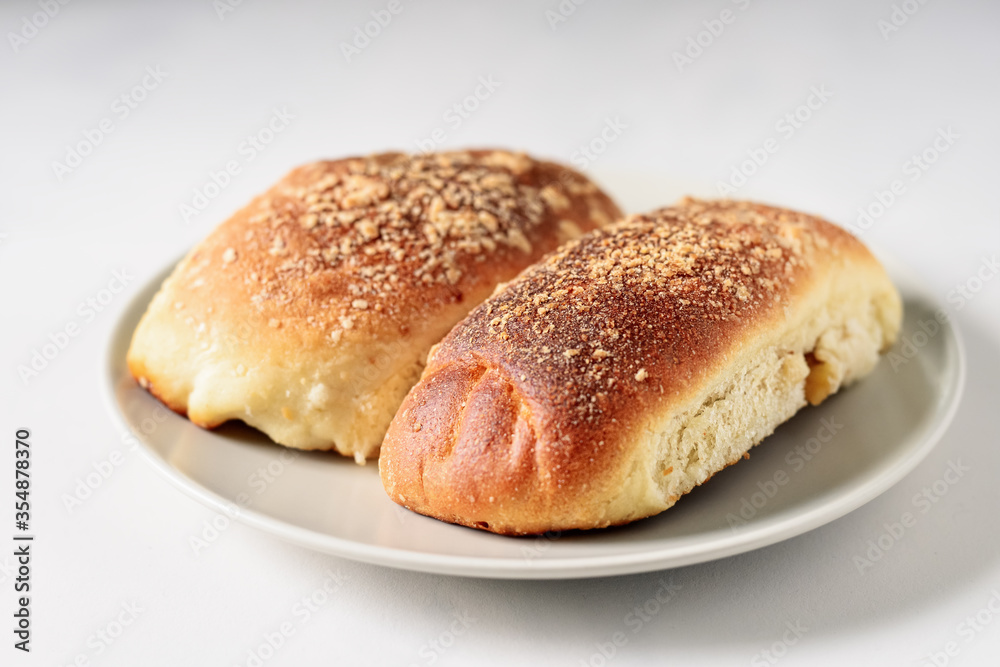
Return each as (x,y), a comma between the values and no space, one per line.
(717,545)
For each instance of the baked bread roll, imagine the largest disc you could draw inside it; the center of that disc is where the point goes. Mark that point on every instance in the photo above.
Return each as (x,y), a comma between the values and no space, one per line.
(309,313)
(631,365)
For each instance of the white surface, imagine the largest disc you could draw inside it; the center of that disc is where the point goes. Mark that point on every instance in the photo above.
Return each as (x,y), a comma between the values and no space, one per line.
(129,541)
(816,468)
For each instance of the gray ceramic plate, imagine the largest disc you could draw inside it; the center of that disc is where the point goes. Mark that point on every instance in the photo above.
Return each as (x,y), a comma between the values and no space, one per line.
(817,467)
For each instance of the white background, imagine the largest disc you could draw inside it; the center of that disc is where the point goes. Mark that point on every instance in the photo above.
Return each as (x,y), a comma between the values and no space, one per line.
(687,127)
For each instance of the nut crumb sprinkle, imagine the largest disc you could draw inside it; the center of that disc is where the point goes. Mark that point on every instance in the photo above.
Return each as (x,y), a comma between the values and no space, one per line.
(661,294)
(377,227)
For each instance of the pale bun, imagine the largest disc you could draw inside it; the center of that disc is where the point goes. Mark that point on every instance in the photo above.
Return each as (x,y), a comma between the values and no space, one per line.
(309,313)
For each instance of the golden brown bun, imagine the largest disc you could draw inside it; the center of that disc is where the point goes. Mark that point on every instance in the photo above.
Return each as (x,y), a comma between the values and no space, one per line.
(632,364)
(309,313)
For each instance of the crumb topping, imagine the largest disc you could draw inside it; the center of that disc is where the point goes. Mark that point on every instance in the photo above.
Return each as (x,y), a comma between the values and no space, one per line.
(370,228)
(630,306)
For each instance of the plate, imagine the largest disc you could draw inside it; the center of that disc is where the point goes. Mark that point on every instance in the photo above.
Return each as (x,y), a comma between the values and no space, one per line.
(818,466)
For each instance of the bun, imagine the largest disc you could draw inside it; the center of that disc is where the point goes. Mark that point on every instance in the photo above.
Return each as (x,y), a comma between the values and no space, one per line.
(631,365)
(309,313)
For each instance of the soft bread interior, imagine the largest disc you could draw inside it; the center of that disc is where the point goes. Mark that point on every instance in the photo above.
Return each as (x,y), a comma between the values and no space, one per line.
(832,339)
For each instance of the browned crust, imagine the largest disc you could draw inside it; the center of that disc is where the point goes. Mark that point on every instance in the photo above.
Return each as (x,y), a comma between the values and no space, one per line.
(527,408)
(365,249)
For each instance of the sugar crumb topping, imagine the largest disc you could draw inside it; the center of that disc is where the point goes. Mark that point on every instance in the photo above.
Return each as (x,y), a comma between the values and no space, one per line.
(642,296)
(394,220)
